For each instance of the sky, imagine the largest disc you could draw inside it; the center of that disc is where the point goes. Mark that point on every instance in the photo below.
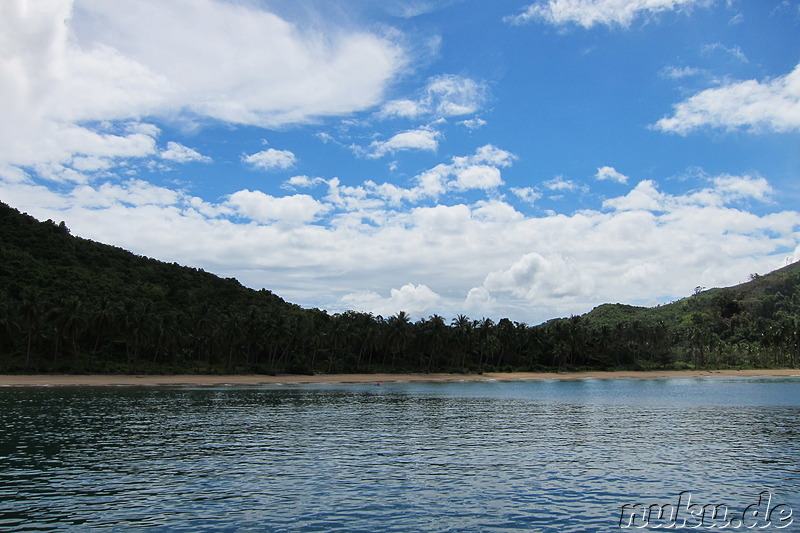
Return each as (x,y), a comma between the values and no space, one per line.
(502,158)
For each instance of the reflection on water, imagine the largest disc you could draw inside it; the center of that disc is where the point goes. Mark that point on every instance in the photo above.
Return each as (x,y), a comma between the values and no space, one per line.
(528,456)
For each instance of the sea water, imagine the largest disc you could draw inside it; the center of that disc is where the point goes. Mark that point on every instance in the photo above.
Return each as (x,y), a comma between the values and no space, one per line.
(560,456)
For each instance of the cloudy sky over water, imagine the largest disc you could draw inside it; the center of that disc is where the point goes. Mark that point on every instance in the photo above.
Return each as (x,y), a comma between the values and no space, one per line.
(492,158)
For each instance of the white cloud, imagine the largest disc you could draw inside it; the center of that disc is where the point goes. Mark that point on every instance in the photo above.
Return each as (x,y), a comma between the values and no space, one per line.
(588,13)
(771,105)
(91,163)
(742,187)
(303,181)
(610,174)
(477,177)
(404,108)
(269,72)
(732,51)
(560,184)
(476,171)
(645,197)
(479,300)
(270,159)
(183,154)
(495,211)
(443,219)
(526,194)
(415,300)
(472,123)
(676,73)
(68,69)
(133,193)
(420,139)
(487,154)
(444,96)
(455,95)
(12,174)
(725,190)
(295,209)
(534,276)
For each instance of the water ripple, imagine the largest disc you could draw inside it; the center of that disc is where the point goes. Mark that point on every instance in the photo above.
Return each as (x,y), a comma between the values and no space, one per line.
(547,456)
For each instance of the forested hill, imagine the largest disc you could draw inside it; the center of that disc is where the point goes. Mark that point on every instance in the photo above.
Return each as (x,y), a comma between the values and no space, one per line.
(72,305)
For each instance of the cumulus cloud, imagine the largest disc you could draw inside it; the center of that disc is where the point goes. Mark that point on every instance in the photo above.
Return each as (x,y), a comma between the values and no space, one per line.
(770,105)
(725,189)
(645,197)
(472,123)
(733,188)
(260,207)
(404,108)
(534,276)
(487,154)
(425,139)
(478,171)
(68,70)
(135,193)
(416,300)
(268,72)
(303,182)
(676,73)
(483,258)
(610,174)
(526,194)
(12,174)
(560,184)
(588,13)
(444,96)
(270,159)
(183,154)
(477,177)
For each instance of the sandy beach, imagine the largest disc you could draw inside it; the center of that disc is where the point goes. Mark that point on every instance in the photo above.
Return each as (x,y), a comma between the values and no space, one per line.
(152,380)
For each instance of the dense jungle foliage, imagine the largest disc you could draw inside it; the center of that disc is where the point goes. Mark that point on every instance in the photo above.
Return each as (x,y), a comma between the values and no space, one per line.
(72,305)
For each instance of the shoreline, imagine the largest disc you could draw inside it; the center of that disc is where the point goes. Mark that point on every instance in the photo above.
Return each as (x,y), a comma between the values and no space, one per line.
(44,380)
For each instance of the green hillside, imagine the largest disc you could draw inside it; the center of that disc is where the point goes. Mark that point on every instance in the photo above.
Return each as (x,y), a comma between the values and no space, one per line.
(752,324)
(72,305)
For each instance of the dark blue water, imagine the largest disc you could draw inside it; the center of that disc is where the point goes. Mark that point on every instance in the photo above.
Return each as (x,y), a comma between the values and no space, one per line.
(547,456)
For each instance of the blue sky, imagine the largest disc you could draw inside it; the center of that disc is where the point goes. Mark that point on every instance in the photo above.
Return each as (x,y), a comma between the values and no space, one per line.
(497,159)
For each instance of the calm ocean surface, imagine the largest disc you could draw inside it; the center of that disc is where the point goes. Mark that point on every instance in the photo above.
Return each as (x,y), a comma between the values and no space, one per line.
(560,456)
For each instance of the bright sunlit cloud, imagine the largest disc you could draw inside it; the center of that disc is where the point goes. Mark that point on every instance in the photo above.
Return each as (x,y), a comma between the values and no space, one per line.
(588,13)
(271,159)
(611,174)
(182,154)
(771,105)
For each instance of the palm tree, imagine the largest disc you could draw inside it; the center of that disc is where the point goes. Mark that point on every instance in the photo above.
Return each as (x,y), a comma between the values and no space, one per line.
(398,335)
(507,338)
(338,336)
(67,320)
(463,327)
(484,327)
(233,331)
(370,338)
(100,322)
(8,326)
(315,336)
(436,332)
(30,319)
(134,317)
